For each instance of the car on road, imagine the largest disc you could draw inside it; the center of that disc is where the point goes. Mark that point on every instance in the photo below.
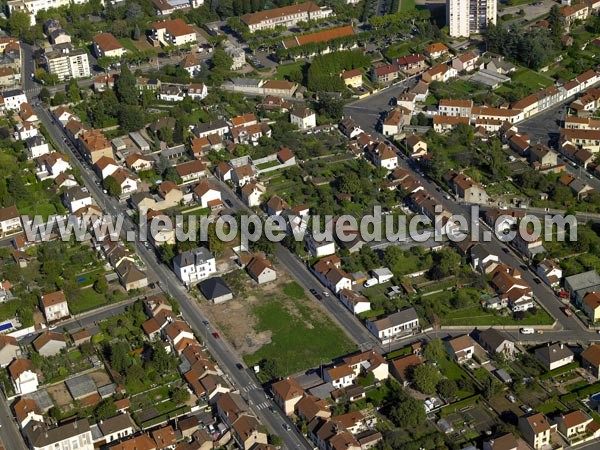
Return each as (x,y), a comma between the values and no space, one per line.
(205,322)
(151,285)
(511,398)
(239,366)
(326,294)
(527,331)
(228,203)
(286,427)
(216,335)
(537,281)
(313,292)
(319,297)
(567,311)
(505,250)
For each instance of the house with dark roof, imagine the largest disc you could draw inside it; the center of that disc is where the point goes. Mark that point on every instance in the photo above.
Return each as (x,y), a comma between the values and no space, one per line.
(553,356)
(215,290)
(194,265)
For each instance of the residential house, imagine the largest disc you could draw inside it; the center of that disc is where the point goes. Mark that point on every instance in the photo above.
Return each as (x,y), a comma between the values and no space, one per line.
(74,435)
(535,430)
(51,165)
(352,78)
(194,265)
(242,175)
(54,306)
(339,376)
(573,424)
(139,163)
(494,342)
(10,220)
(26,410)
(436,50)
(95,145)
(385,73)
(173,33)
(461,348)
(286,394)
(440,72)
(590,359)
(252,193)
(467,62)
(354,301)
(394,325)
(328,271)
(76,198)
(105,45)
(369,361)
(23,376)
(116,428)
(503,442)
(261,270)
(9,349)
(208,195)
(553,356)
(248,432)
(36,146)
(455,108)
(190,171)
(105,167)
(590,305)
(49,343)
(401,368)
(442,124)
(467,188)
(286,16)
(304,118)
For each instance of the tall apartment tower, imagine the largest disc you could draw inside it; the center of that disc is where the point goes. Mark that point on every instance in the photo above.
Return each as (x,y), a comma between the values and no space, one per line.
(466,17)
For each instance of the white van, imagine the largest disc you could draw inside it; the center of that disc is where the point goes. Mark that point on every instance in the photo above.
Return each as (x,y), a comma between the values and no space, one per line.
(370,282)
(527,330)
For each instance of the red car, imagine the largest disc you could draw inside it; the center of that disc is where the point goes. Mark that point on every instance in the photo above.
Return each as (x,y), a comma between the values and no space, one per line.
(567,311)
(216,335)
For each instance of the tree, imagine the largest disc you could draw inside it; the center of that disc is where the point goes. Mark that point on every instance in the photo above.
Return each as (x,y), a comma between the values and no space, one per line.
(119,356)
(112,186)
(447,389)
(160,357)
(556,23)
(131,117)
(426,377)
(136,33)
(407,412)
(73,92)
(221,61)
(171,174)
(18,24)
(105,409)
(180,395)
(125,87)
(331,107)
(101,285)
(45,95)
(434,351)
(445,263)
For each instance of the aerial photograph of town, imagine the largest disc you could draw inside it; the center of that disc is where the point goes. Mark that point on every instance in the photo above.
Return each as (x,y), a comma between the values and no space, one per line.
(300,224)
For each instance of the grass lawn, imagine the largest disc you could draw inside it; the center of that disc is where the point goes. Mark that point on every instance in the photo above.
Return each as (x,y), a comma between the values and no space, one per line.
(128,44)
(301,336)
(476,316)
(551,407)
(407,5)
(8,310)
(397,50)
(531,79)
(88,299)
(293,70)
(44,209)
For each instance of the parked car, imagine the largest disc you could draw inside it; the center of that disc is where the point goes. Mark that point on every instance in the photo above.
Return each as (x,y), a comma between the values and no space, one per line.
(216,335)
(567,311)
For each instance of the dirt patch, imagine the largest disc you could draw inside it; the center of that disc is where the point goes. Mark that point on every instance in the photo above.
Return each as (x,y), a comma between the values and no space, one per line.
(101,378)
(60,395)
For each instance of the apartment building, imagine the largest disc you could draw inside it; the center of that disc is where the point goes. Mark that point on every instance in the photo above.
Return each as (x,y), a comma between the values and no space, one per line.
(194,265)
(173,33)
(287,16)
(466,17)
(67,62)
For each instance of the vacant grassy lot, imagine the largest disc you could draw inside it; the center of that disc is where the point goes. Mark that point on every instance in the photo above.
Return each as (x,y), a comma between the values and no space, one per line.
(302,336)
(407,5)
(531,79)
(293,71)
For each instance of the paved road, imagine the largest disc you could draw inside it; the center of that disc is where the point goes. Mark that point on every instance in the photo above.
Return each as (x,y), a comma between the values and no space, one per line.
(11,436)
(243,380)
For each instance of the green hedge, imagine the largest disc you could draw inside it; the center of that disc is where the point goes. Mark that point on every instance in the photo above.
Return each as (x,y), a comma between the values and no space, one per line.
(560,371)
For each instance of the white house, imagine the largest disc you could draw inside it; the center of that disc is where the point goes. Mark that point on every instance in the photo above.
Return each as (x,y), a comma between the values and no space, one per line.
(354,301)
(23,376)
(106,166)
(197,91)
(321,248)
(303,118)
(252,193)
(394,325)
(70,436)
(10,220)
(25,131)
(52,165)
(207,194)
(36,146)
(126,180)
(54,306)
(549,272)
(340,376)
(194,265)
(13,99)
(77,197)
